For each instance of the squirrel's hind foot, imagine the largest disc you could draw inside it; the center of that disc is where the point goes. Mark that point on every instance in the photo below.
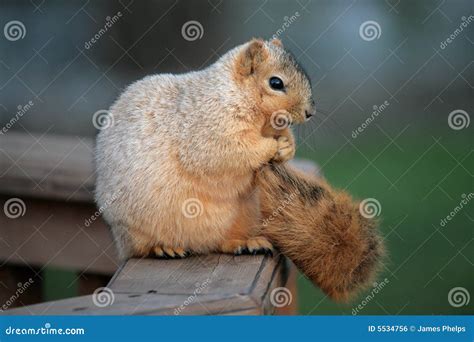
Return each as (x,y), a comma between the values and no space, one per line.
(170,252)
(256,245)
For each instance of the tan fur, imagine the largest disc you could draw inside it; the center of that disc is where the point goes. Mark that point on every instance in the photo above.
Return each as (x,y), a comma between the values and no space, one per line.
(199,136)
(320,229)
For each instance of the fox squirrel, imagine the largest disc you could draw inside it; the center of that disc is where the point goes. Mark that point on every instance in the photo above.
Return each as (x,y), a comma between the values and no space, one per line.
(194,163)
(180,160)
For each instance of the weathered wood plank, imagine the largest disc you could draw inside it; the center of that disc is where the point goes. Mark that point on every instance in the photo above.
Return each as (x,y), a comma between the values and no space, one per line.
(199,285)
(89,282)
(291,306)
(54,233)
(46,166)
(147,304)
(216,272)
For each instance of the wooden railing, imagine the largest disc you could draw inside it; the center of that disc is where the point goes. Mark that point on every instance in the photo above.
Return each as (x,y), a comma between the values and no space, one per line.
(53,176)
(201,285)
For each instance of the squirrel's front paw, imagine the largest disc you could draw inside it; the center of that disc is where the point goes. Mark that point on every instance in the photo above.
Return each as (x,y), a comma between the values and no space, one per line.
(286,149)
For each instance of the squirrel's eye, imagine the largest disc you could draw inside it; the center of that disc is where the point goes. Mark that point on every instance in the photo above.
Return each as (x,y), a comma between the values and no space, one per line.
(276,83)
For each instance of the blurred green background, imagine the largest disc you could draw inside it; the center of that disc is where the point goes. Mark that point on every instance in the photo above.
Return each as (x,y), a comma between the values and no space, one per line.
(429,174)
(408,158)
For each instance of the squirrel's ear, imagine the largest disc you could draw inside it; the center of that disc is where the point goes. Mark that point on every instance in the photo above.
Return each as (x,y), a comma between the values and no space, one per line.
(251,57)
(276,42)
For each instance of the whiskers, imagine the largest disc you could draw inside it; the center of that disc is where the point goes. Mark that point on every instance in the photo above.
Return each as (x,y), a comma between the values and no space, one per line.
(321,124)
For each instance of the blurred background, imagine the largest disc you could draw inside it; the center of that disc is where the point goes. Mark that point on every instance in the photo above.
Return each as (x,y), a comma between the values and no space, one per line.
(393,82)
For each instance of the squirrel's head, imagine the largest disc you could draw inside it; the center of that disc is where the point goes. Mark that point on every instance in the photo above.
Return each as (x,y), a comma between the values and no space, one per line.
(272,78)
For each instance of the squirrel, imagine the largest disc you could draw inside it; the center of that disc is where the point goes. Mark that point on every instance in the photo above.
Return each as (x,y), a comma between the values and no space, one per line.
(176,172)
(320,229)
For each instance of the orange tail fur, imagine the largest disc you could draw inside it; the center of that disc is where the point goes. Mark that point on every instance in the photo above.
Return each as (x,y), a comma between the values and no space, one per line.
(320,229)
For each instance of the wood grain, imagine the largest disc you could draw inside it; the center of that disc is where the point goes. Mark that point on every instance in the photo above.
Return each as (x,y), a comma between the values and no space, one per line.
(47,166)
(53,233)
(200,285)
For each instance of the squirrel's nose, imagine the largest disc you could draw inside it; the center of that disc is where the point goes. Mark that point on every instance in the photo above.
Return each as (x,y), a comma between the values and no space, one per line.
(311,111)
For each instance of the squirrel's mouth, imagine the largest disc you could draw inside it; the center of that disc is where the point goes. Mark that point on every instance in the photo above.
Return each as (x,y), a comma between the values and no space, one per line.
(302,117)
(296,117)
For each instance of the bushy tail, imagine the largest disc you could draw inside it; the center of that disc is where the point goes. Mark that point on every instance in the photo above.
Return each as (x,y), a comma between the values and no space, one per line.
(320,229)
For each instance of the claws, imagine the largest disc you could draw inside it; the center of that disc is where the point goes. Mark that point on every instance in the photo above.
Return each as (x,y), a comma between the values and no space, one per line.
(263,250)
(252,246)
(170,253)
(241,250)
(286,149)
